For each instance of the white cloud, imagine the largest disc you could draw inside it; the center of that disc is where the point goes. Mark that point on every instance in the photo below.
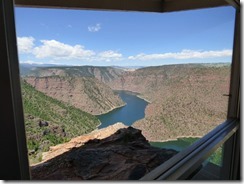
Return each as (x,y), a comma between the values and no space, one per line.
(95,28)
(25,44)
(184,54)
(109,55)
(57,50)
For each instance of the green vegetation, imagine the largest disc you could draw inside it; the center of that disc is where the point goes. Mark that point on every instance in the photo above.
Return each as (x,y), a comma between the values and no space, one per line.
(216,157)
(50,122)
(178,144)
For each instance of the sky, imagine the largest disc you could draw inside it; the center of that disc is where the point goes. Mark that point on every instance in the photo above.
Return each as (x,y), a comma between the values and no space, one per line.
(114,38)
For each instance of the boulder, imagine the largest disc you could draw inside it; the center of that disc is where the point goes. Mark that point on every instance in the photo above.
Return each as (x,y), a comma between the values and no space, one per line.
(43,123)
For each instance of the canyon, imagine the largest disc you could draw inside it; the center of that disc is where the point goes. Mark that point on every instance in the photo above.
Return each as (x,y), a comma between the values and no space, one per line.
(185,99)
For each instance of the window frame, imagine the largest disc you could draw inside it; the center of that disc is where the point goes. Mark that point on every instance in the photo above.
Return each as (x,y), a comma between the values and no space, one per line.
(14,156)
(14,159)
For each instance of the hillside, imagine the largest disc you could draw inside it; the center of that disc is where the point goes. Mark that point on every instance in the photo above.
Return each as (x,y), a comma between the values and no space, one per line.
(86,93)
(49,122)
(186,100)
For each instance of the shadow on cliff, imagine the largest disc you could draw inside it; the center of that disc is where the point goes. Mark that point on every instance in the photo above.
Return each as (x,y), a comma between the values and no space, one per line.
(125,155)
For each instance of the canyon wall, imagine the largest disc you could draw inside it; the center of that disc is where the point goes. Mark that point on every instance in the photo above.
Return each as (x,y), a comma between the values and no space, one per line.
(185,100)
(86,93)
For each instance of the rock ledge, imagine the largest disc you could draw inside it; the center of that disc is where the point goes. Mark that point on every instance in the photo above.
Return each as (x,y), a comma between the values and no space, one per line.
(124,155)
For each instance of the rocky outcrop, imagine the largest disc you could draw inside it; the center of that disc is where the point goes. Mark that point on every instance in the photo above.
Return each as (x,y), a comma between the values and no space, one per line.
(124,155)
(81,140)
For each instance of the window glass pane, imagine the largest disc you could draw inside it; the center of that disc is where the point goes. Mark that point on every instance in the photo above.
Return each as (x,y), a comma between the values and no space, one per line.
(87,74)
(211,168)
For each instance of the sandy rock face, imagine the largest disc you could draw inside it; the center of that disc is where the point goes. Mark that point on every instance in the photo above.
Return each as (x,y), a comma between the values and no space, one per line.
(124,155)
(81,140)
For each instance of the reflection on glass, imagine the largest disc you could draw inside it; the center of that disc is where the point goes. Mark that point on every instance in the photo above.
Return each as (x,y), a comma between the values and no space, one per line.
(211,167)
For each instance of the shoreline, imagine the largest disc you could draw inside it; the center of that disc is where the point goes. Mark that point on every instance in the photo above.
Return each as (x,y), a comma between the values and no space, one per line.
(143,99)
(136,94)
(133,93)
(175,139)
(98,125)
(110,110)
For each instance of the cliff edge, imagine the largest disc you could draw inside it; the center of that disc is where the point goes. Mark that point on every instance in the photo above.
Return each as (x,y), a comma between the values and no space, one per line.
(115,153)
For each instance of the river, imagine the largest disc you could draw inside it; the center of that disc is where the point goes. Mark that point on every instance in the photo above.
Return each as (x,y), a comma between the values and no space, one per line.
(133,111)
(128,114)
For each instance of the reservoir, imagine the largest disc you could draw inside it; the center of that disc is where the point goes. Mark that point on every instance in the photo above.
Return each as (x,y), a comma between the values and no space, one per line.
(128,114)
(178,145)
(133,111)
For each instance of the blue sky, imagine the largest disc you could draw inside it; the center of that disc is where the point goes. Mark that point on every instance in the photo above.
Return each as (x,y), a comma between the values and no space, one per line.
(85,37)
